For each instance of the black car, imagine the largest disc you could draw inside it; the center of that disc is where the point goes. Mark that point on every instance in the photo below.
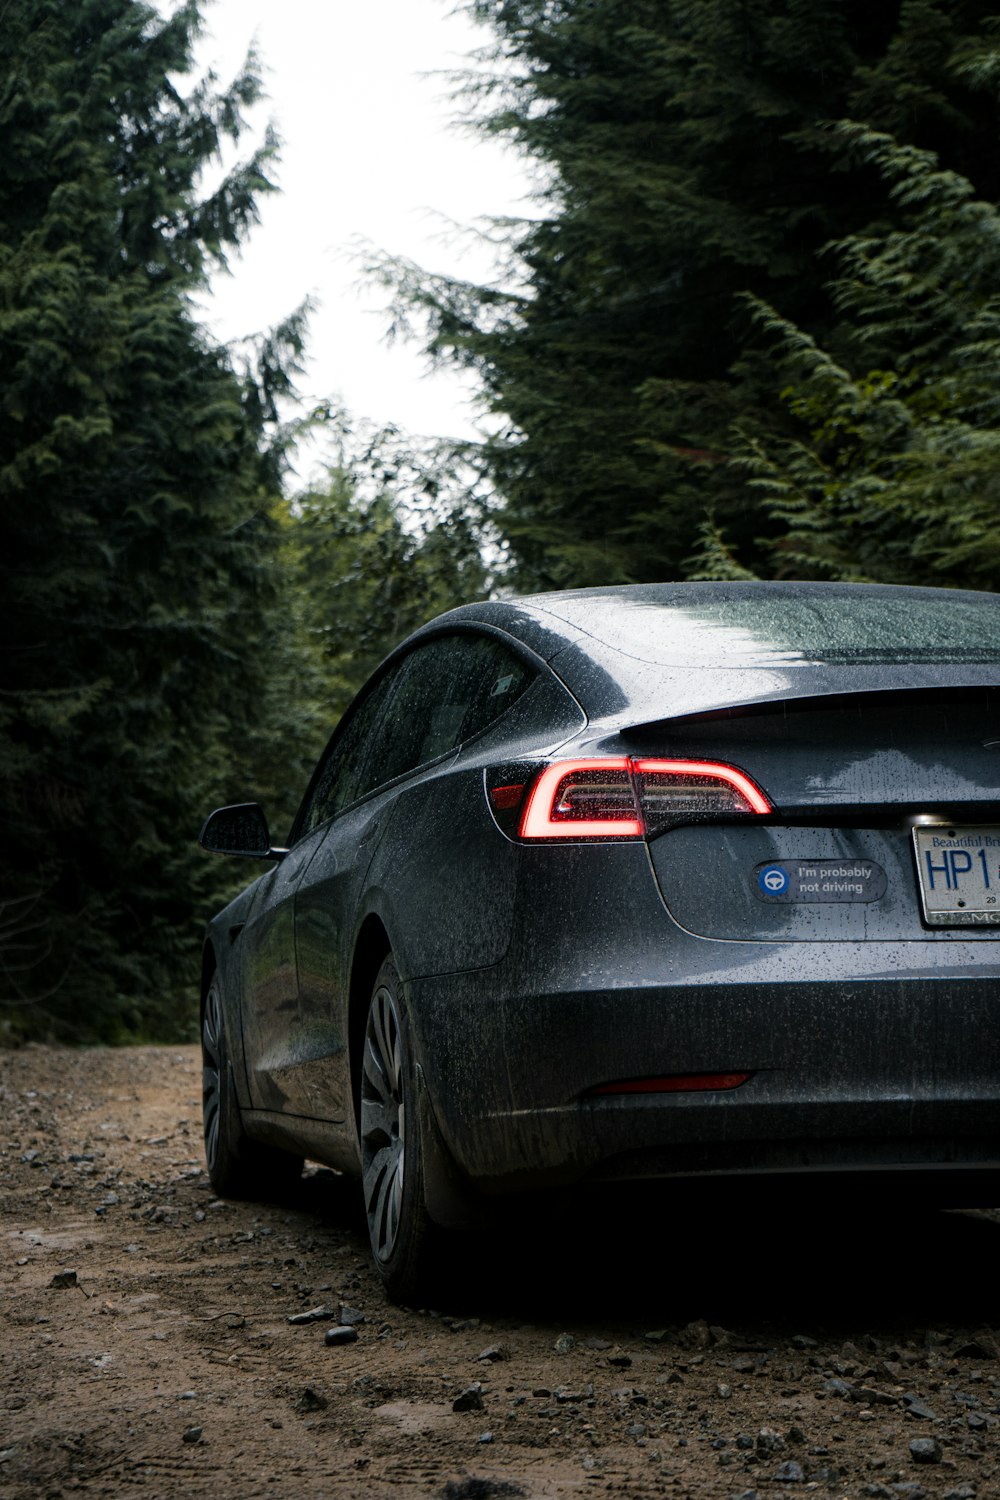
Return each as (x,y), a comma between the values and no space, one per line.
(661,881)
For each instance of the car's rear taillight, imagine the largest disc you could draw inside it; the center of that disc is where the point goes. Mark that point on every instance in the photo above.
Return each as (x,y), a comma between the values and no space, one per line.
(669,790)
(620,797)
(582,799)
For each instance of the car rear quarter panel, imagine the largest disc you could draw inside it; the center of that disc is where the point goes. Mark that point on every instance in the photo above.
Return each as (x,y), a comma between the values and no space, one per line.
(444,877)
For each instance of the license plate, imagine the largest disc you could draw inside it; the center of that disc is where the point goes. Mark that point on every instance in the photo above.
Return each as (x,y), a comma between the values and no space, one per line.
(959,873)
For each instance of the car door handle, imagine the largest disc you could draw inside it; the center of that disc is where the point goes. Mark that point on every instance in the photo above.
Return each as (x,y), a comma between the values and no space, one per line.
(369,833)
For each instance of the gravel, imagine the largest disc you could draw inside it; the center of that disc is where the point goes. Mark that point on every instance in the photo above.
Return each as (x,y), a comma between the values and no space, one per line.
(732,1357)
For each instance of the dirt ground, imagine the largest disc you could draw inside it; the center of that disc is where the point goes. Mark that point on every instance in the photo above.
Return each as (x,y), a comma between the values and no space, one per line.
(755,1348)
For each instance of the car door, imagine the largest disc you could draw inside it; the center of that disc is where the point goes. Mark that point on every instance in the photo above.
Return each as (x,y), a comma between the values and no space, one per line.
(281,1045)
(417,736)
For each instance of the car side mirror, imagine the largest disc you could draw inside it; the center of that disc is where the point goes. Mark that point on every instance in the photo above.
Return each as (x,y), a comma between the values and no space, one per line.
(240,831)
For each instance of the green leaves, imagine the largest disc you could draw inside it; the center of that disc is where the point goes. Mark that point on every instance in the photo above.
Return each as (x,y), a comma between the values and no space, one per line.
(890,473)
(138,485)
(688,173)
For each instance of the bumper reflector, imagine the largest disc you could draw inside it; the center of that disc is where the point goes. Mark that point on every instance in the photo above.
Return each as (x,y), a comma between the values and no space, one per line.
(673,1083)
(506,797)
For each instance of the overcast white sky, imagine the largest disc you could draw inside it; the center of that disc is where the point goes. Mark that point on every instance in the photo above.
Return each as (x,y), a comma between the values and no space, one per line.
(369,152)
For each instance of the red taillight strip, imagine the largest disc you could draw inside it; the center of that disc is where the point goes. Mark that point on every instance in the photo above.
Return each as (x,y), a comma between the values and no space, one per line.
(729,774)
(675,1083)
(537,822)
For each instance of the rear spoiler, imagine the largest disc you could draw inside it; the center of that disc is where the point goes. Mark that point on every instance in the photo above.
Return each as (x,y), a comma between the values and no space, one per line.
(736,692)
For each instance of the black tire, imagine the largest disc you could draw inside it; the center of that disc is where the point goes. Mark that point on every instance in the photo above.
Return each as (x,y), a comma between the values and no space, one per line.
(404,1240)
(237,1166)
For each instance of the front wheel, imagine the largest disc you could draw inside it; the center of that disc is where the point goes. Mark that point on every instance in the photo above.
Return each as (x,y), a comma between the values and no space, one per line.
(392,1148)
(238,1167)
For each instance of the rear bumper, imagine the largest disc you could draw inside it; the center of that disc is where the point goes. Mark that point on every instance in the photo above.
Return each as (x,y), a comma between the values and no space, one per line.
(870,1056)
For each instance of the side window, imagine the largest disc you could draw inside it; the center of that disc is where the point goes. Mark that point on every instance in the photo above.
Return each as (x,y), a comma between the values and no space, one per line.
(448,690)
(340,777)
(503,679)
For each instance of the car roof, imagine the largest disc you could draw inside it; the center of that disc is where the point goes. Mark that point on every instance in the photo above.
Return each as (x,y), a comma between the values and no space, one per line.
(657,650)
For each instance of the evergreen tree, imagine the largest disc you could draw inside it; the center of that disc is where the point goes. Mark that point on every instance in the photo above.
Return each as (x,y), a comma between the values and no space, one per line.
(685,161)
(137,489)
(387,542)
(893,470)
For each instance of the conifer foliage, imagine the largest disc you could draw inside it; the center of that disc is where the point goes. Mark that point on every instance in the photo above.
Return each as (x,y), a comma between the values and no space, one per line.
(892,470)
(686,161)
(388,541)
(363,572)
(136,491)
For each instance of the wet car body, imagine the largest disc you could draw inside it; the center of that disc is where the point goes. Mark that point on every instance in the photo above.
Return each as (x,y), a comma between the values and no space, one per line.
(745,962)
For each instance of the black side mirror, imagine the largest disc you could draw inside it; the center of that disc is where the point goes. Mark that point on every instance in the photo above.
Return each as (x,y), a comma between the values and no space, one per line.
(240,830)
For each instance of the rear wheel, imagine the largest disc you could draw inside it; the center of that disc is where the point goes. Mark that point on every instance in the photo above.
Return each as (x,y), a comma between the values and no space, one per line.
(238,1167)
(392,1149)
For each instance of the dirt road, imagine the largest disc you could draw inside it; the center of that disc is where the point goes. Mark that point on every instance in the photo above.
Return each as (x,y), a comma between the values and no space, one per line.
(767,1349)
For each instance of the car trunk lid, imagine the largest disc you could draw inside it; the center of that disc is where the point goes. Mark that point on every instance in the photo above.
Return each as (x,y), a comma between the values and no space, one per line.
(848,779)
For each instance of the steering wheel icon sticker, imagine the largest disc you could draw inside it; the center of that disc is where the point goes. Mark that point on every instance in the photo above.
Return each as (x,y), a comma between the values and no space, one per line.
(773,880)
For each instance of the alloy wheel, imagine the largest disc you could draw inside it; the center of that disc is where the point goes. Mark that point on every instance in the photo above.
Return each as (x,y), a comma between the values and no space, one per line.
(383,1123)
(211,1073)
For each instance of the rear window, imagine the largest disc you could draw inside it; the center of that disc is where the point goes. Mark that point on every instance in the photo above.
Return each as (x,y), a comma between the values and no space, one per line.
(760,626)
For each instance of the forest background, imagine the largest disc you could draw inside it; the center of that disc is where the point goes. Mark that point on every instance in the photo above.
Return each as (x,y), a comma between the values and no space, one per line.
(751,330)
